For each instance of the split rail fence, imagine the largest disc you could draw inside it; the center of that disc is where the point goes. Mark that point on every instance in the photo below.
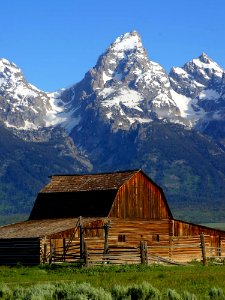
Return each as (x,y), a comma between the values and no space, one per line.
(175,250)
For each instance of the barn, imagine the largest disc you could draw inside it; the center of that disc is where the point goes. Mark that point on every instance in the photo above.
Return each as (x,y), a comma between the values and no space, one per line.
(119,217)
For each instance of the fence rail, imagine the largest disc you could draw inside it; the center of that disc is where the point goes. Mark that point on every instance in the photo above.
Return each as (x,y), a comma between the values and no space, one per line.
(176,250)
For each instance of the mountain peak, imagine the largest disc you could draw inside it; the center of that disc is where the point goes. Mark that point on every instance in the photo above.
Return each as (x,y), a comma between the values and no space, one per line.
(4,63)
(204,58)
(207,65)
(127,41)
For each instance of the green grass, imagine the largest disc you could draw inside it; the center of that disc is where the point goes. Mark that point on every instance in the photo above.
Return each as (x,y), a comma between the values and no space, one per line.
(194,279)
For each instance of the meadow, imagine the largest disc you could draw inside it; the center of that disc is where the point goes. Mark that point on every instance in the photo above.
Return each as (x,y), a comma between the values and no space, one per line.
(113,282)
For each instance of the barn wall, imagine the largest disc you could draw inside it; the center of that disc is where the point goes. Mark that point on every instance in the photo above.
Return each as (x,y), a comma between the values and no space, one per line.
(170,239)
(181,228)
(135,231)
(139,198)
(26,251)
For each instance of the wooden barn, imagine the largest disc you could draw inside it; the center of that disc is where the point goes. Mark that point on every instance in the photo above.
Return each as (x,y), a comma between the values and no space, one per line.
(120,217)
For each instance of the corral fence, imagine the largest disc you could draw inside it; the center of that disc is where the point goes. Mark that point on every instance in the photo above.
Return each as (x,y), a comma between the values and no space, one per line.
(174,250)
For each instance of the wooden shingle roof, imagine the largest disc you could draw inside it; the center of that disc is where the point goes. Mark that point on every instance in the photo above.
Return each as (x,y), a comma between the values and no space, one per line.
(36,228)
(87,182)
(40,228)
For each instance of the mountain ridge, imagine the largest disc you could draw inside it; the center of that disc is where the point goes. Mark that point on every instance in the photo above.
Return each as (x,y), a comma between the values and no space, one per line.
(126,112)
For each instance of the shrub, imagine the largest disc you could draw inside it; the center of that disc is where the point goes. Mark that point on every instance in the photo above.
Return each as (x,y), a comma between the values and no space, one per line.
(172,295)
(144,291)
(18,293)
(188,296)
(216,294)
(40,292)
(5,292)
(120,292)
(83,291)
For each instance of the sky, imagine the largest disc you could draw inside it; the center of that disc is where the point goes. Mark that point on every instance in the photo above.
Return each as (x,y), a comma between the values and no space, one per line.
(55,42)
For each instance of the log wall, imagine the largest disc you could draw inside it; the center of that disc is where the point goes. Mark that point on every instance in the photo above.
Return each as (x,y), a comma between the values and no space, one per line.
(131,232)
(140,198)
(123,242)
(26,251)
(182,228)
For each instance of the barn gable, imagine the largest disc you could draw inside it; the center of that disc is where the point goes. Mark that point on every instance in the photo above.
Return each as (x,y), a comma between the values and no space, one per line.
(140,198)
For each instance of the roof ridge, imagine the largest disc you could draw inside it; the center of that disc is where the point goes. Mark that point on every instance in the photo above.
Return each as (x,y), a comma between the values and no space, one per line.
(103,173)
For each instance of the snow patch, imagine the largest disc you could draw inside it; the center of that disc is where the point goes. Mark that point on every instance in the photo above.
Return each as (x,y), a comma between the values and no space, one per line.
(211,65)
(129,98)
(105,77)
(180,71)
(185,105)
(139,120)
(209,95)
(126,42)
(61,113)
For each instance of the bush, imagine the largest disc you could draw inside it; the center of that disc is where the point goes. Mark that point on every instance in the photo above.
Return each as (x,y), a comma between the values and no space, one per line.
(172,295)
(188,296)
(40,292)
(5,292)
(216,294)
(120,292)
(18,293)
(83,291)
(144,291)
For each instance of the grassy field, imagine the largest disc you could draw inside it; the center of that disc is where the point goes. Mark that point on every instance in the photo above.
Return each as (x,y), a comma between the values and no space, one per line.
(195,278)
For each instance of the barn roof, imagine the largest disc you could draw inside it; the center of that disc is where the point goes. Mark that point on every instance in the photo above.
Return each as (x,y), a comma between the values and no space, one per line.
(87,182)
(38,228)
(87,195)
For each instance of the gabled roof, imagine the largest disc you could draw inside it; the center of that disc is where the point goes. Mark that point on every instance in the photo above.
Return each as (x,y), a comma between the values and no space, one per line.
(89,195)
(87,182)
(36,228)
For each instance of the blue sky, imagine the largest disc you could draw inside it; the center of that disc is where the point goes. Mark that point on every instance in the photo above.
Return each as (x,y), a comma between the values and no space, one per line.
(55,42)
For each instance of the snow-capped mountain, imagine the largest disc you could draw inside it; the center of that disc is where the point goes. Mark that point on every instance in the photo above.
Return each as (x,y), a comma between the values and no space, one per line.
(198,90)
(124,87)
(125,113)
(25,107)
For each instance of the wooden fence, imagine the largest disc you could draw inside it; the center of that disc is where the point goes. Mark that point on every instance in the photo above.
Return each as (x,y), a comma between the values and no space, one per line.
(173,250)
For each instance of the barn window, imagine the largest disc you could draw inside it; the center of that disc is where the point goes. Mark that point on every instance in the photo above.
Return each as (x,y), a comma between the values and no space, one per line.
(121,238)
(155,237)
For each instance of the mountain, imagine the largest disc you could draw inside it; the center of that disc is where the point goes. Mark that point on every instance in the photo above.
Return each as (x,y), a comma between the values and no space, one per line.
(200,85)
(31,148)
(124,88)
(125,113)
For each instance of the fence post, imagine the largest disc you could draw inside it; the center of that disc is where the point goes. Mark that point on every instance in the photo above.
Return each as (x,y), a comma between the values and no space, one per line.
(52,250)
(146,252)
(64,249)
(219,246)
(86,261)
(142,252)
(45,253)
(106,245)
(204,259)
(81,241)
